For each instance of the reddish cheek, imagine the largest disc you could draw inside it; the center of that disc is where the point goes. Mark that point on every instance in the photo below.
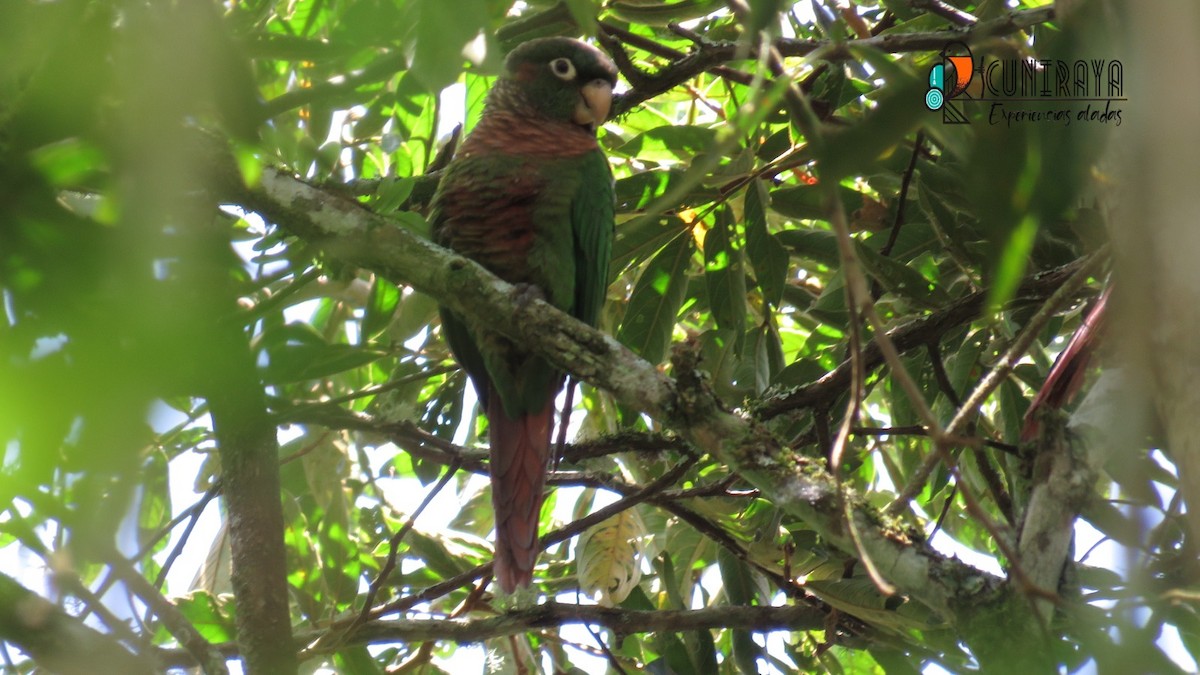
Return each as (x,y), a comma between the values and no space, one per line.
(526,72)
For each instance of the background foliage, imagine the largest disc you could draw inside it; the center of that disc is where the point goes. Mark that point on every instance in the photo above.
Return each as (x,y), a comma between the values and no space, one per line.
(138,294)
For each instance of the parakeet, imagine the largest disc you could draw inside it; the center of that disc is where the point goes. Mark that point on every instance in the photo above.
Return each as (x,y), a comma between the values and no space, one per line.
(530,197)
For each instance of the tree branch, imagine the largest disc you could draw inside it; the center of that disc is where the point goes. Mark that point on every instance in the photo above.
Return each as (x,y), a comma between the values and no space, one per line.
(552,615)
(911,335)
(714,54)
(249,454)
(352,234)
(178,625)
(58,641)
(1001,370)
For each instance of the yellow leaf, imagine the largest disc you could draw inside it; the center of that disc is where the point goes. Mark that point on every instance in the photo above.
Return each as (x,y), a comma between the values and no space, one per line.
(609,557)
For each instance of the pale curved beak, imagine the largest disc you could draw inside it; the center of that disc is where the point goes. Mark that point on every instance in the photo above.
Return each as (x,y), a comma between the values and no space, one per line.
(595,100)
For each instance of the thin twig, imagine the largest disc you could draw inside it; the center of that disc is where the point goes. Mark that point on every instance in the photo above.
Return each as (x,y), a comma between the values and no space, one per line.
(1000,536)
(389,385)
(192,513)
(911,335)
(934,351)
(856,284)
(178,625)
(561,534)
(1001,371)
(902,202)
(608,654)
(948,12)
(714,54)
(945,510)
(901,375)
(917,430)
(564,421)
(868,563)
(71,584)
(995,484)
(394,547)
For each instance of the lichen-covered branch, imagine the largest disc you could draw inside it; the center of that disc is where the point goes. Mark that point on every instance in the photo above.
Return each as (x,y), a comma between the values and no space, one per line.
(552,615)
(59,642)
(350,233)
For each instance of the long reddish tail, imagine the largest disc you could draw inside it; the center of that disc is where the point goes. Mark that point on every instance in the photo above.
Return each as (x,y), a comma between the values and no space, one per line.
(1070,368)
(520,456)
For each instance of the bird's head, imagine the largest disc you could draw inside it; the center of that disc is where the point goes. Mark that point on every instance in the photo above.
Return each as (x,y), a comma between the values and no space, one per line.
(562,79)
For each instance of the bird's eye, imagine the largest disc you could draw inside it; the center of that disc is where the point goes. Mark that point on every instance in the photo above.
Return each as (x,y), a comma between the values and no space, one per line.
(563,68)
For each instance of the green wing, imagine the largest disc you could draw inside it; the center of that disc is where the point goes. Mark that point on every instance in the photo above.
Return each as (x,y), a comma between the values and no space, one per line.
(462,345)
(593,209)
(570,263)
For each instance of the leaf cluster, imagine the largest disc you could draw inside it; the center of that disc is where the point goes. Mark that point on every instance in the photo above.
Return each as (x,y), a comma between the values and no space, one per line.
(134,296)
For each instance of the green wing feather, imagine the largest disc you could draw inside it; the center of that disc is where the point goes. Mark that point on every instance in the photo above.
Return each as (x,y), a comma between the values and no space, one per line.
(570,263)
(592,213)
(462,345)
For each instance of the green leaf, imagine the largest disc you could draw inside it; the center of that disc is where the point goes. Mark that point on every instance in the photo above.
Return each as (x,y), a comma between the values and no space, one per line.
(442,30)
(900,279)
(764,15)
(213,619)
(901,407)
(392,192)
(702,650)
(1012,265)
(723,272)
(296,363)
(963,364)
(415,313)
(893,662)
(584,13)
(718,354)
(948,224)
(476,94)
(1185,619)
(767,255)
(156,498)
(433,550)
(859,597)
(356,660)
(669,142)
(663,13)
(811,244)
(641,189)
(675,655)
(859,146)
(362,24)
(68,162)
(640,238)
(761,359)
(441,416)
(381,307)
(807,202)
(670,580)
(657,297)
(739,588)
(1113,522)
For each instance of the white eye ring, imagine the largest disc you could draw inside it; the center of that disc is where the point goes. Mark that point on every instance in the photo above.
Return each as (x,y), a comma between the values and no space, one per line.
(563,69)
